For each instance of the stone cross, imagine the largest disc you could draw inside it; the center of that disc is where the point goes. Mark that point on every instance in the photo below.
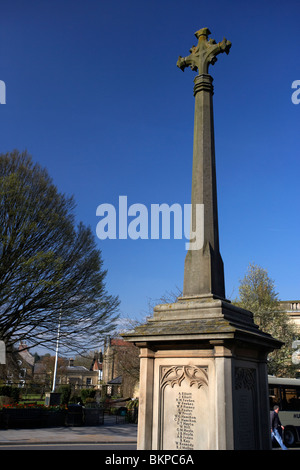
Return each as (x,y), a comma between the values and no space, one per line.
(204,53)
(204,272)
(203,361)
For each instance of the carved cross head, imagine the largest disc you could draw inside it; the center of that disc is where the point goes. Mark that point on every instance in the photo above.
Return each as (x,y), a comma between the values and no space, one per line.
(204,53)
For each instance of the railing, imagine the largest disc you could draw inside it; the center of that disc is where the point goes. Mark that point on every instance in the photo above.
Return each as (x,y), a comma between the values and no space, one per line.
(295,305)
(74,415)
(127,416)
(288,305)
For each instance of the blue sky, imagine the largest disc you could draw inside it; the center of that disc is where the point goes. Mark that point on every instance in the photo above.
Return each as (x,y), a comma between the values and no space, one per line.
(93,93)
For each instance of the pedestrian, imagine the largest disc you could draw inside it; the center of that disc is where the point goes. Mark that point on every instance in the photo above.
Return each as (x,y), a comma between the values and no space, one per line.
(276,427)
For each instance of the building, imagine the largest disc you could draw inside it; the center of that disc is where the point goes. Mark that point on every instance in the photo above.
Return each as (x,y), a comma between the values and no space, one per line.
(120,368)
(26,362)
(97,365)
(80,376)
(19,367)
(68,373)
(292,309)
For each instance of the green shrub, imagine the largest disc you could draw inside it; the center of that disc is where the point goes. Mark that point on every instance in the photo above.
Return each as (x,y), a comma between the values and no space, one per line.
(12,392)
(75,399)
(65,391)
(132,404)
(86,393)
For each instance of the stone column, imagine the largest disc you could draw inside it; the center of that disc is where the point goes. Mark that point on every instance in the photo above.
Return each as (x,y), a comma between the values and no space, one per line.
(144,438)
(204,273)
(203,377)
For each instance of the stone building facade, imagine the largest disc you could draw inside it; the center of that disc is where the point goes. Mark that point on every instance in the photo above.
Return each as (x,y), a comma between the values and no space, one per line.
(292,309)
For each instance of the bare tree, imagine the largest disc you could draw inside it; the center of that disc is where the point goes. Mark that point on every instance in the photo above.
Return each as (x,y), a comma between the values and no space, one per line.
(50,269)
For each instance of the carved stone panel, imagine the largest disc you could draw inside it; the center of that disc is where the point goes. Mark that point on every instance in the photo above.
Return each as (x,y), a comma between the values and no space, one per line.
(245,404)
(184,408)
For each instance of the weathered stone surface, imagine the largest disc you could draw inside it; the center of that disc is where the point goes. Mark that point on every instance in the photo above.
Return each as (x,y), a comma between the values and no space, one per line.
(204,53)
(200,319)
(203,271)
(194,354)
(203,377)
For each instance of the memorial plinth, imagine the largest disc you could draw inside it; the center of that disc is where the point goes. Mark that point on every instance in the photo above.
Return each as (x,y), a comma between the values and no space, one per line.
(203,372)
(203,379)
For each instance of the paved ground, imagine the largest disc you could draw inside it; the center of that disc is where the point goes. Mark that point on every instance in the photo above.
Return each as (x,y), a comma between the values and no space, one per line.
(109,432)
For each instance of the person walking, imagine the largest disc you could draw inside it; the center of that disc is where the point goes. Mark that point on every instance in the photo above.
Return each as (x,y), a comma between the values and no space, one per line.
(276,427)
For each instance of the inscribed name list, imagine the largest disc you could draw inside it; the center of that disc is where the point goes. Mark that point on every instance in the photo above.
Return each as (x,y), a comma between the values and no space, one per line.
(185,417)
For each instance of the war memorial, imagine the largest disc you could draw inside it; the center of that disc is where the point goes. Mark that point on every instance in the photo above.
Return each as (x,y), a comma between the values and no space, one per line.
(203,361)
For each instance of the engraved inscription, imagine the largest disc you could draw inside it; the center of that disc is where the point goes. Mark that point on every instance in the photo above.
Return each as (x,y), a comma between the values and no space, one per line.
(184,408)
(245,403)
(185,420)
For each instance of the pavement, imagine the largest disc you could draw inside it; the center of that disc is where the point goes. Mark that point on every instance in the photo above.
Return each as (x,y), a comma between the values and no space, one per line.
(107,433)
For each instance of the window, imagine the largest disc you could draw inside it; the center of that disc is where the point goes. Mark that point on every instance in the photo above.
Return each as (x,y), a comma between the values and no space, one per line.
(290,398)
(287,397)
